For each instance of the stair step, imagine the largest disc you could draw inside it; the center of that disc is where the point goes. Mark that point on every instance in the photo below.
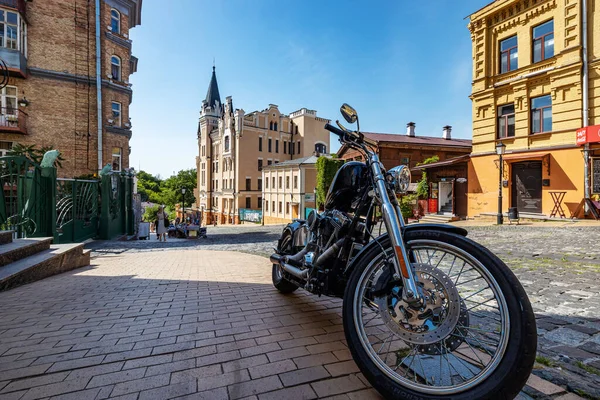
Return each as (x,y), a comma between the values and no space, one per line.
(22,248)
(6,237)
(55,260)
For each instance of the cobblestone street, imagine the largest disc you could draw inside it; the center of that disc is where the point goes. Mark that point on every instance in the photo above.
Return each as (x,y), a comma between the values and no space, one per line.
(152,320)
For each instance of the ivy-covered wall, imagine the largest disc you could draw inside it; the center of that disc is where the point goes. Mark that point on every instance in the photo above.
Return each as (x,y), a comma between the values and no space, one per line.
(326,170)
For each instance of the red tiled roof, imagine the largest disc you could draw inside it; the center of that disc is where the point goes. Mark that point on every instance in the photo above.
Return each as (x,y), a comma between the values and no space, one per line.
(417,140)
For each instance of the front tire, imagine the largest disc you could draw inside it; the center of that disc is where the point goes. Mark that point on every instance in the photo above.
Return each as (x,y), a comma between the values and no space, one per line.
(497,372)
(279,281)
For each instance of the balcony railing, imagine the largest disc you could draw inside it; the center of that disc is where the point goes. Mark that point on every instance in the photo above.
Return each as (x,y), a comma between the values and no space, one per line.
(13,120)
(16,4)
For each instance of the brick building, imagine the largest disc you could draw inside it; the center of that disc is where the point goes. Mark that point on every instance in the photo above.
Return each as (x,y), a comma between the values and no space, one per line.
(410,148)
(234,146)
(51,98)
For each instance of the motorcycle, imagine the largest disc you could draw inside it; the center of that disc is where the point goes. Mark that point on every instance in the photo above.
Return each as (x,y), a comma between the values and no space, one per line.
(427,312)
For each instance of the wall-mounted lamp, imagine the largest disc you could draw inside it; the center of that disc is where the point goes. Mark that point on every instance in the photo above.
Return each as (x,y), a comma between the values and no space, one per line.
(24,102)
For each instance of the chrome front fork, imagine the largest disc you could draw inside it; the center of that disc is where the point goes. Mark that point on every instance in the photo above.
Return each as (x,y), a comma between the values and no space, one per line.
(394,222)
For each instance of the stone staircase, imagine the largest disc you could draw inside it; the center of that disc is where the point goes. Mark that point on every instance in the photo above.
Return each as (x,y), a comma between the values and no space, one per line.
(27,260)
(436,219)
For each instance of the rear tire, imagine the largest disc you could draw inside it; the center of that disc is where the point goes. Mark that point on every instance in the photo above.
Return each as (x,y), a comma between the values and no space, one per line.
(515,364)
(279,281)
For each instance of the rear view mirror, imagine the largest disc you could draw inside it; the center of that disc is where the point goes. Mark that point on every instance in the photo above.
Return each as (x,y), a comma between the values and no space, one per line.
(349,113)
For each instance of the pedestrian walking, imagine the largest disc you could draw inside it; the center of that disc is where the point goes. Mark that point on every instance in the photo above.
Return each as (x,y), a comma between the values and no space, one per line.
(162,224)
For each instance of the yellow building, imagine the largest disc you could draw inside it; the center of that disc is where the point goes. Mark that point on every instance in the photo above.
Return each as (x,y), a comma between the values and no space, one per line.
(233,148)
(289,189)
(529,92)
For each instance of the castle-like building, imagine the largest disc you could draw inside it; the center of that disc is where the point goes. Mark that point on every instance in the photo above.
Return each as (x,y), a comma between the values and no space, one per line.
(234,146)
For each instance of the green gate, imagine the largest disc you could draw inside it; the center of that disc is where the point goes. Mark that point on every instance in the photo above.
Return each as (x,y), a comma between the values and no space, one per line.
(117,211)
(26,203)
(77,215)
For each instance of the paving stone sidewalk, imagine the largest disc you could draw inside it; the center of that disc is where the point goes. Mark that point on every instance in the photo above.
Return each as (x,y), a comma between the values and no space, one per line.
(190,324)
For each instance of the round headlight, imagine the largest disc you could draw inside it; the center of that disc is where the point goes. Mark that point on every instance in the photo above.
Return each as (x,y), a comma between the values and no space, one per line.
(399,178)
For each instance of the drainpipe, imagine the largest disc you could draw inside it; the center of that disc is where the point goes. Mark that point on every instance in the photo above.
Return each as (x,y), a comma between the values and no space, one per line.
(586,149)
(99,84)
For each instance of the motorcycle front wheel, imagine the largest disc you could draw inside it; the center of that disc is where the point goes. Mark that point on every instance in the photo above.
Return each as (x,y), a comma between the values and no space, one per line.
(473,338)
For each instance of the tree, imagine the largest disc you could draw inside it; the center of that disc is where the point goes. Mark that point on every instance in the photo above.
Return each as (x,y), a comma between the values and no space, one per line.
(33,153)
(326,170)
(149,187)
(171,188)
(423,185)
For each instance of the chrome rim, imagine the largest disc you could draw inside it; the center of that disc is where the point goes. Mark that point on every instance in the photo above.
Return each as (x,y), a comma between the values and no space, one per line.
(464,356)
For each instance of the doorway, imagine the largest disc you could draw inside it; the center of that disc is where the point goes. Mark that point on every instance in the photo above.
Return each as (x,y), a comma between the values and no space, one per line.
(445,197)
(527,186)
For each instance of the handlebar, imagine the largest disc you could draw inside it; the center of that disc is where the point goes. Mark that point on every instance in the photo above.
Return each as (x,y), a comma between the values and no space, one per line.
(335,130)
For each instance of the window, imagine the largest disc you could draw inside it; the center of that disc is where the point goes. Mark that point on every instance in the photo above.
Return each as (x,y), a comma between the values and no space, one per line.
(543,41)
(217,166)
(248,184)
(116,159)
(216,185)
(273,206)
(291,149)
(12,31)
(276,146)
(9,104)
(259,183)
(269,162)
(287,208)
(280,208)
(203,150)
(115,68)
(541,114)
(295,182)
(260,165)
(271,126)
(270,147)
(280,182)
(226,143)
(115,21)
(224,183)
(284,147)
(287,182)
(275,126)
(231,183)
(116,113)
(320,148)
(266,183)
(273,185)
(248,202)
(298,147)
(508,55)
(266,204)
(506,121)
(259,144)
(259,205)
(5,147)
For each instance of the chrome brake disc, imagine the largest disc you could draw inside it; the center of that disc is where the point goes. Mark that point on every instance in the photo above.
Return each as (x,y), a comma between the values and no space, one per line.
(430,326)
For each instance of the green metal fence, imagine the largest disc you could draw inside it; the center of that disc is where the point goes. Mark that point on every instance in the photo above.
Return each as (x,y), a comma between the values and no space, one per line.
(25,203)
(77,210)
(34,203)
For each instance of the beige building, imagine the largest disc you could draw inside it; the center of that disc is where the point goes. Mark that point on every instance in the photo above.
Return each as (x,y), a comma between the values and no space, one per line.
(234,146)
(535,84)
(289,189)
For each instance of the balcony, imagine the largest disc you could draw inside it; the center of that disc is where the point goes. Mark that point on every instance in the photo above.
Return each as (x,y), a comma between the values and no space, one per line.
(15,61)
(13,121)
(18,5)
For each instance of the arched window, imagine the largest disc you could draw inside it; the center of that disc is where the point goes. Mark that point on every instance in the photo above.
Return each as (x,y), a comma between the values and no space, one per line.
(275,126)
(270,126)
(115,21)
(320,148)
(115,70)
(226,143)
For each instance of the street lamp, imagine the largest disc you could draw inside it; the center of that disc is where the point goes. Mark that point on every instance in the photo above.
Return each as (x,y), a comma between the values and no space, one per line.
(183,204)
(500,148)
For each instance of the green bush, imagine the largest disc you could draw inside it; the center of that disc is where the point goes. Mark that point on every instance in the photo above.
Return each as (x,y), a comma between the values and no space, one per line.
(423,185)
(326,170)
(406,205)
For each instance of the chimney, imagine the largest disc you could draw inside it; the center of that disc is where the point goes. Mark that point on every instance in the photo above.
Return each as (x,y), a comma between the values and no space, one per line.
(447,132)
(410,129)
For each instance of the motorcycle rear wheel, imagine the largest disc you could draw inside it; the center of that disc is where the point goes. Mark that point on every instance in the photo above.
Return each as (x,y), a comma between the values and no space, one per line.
(490,352)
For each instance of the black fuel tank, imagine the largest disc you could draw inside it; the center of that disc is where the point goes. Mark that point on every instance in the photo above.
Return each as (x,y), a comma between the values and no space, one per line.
(348,187)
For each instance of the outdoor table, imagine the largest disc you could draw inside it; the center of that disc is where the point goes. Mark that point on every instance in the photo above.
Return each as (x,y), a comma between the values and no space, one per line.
(557,197)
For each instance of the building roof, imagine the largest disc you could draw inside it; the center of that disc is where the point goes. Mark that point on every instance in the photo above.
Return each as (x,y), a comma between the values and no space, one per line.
(295,162)
(212,95)
(418,140)
(450,161)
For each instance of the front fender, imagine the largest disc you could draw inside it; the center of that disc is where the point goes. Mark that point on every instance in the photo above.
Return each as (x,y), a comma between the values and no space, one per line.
(299,232)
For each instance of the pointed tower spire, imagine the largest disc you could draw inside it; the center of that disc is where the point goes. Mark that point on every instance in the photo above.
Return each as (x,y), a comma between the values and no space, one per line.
(212,96)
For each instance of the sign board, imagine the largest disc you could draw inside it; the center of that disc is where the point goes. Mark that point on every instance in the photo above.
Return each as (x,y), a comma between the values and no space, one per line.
(596,175)
(309,197)
(249,215)
(588,134)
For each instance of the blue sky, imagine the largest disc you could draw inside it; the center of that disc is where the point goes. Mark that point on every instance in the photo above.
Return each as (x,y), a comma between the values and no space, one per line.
(394,61)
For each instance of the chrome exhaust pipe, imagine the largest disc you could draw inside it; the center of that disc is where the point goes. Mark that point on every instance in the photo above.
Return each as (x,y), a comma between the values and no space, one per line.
(297,272)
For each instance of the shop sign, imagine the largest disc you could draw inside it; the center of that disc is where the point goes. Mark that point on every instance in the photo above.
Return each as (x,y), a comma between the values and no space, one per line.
(588,134)
(309,197)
